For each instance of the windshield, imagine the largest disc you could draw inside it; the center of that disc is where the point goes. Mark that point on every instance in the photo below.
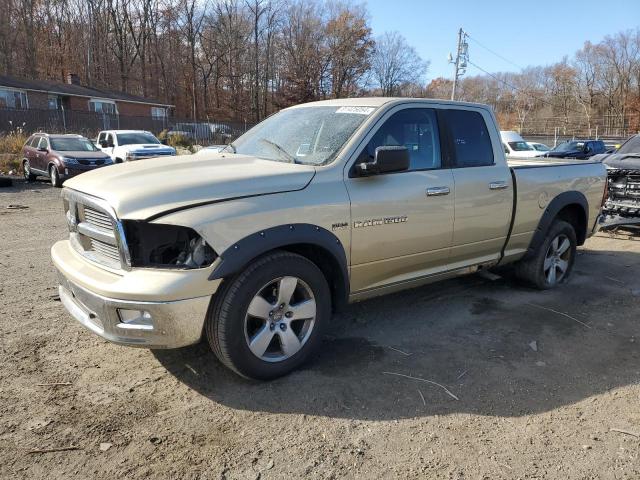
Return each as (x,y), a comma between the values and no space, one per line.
(72,145)
(520,146)
(630,146)
(307,135)
(137,137)
(569,147)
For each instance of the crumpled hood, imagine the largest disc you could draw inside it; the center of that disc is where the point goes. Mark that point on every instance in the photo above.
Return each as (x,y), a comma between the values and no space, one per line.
(622,161)
(148,188)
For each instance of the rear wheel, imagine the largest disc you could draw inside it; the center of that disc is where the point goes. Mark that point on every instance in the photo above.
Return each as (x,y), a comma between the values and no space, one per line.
(268,319)
(553,260)
(26,170)
(55,177)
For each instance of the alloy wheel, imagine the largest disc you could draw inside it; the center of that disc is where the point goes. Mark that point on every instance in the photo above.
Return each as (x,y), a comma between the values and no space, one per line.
(556,260)
(280,319)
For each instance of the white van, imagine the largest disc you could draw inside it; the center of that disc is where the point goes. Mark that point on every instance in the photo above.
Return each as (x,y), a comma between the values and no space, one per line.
(515,146)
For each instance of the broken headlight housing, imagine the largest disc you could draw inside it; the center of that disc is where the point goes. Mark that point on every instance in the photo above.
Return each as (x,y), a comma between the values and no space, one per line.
(155,245)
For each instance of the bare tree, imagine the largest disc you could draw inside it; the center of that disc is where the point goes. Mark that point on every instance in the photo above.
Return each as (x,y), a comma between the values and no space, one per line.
(395,62)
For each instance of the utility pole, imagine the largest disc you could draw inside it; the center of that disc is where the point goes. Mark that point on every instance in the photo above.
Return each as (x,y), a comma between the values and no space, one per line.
(460,62)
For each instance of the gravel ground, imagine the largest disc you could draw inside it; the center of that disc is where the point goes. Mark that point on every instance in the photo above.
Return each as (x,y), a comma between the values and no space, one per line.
(532,384)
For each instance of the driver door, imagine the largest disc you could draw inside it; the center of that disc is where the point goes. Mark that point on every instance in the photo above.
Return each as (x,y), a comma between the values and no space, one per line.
(402,222)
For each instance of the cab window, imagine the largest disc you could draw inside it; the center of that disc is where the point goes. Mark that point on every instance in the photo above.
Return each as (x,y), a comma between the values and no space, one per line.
(43,143)
(470,138)
(413,128)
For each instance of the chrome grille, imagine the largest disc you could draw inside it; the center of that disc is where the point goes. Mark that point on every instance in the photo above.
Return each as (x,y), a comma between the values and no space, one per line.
(105,250)
(97,218)
(95,231)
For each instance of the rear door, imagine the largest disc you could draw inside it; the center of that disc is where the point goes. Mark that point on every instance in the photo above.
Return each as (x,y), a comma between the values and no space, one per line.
(30,149)
(484,188)
(401,222)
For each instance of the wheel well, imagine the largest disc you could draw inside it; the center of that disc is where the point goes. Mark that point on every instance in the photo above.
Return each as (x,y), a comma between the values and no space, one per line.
(575,215)
(330,268)
(119,160)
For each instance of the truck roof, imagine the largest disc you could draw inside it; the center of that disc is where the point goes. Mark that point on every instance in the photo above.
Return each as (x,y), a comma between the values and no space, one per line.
(379,101)
(125,131)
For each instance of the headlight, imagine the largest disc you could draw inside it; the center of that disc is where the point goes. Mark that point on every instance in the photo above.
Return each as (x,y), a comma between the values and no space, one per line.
(69,161)
(166,246)
(130,156)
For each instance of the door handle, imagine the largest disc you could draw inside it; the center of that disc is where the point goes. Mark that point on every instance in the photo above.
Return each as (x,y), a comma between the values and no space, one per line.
(498,185)
(437,191)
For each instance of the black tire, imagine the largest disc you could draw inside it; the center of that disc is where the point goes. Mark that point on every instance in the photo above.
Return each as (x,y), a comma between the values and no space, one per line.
(26,171)
(119,160)
(536,272)
(226,324)
(55,177)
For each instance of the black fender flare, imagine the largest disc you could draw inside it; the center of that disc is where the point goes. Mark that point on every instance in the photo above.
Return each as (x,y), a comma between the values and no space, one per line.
(238,255)
(562,200)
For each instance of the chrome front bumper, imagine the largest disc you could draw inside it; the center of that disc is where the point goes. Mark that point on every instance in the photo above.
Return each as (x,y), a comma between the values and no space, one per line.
(137,324)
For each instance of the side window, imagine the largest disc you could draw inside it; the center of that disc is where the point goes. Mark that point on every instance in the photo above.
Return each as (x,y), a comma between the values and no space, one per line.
(30,141)
(43,143)
(414,128)
(471,139)
(110,140)
(101,137)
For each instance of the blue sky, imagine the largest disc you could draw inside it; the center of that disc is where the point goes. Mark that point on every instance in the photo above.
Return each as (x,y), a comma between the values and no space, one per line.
(527,33)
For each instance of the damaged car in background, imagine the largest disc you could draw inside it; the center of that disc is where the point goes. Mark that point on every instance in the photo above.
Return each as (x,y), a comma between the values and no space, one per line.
(622,208)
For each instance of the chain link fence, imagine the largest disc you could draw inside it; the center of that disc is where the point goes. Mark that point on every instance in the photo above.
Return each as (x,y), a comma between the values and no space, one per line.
(88,124)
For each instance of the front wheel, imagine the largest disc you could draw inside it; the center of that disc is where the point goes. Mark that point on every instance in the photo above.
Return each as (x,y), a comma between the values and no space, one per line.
(552,262)
(267,320)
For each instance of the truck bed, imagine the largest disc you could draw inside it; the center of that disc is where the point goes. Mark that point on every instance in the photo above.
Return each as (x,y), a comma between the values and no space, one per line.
(538,181)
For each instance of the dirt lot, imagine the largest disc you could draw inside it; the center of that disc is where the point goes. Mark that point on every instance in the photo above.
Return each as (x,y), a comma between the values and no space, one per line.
(540,379)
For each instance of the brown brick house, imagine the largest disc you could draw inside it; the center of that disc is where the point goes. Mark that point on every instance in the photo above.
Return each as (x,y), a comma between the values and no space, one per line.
(56,107)
(20,93)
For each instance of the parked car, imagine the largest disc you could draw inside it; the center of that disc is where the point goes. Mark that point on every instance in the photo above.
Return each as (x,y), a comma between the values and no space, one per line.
(319,205)
(129,145)
(515,146)
(622,208)
(540,147)
(577,149)
(60,157)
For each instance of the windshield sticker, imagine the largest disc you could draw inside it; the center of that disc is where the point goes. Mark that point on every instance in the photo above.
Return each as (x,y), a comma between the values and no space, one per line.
(358,110)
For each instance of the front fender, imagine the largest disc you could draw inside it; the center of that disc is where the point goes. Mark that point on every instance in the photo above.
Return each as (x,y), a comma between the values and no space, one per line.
(242,252)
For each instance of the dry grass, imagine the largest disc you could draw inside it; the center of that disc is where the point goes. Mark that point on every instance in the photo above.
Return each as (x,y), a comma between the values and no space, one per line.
(12,143)
(9,162)
(10,149)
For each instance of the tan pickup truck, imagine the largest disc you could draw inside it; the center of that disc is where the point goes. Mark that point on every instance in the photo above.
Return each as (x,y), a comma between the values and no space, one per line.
(319,205)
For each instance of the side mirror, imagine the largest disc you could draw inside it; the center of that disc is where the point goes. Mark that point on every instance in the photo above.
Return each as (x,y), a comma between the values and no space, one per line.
(387,159)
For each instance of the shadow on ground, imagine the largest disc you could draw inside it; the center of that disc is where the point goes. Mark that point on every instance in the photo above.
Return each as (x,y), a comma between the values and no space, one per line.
(501,348)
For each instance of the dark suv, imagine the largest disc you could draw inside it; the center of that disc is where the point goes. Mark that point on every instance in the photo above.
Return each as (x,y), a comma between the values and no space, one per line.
(578,149)
(60,157)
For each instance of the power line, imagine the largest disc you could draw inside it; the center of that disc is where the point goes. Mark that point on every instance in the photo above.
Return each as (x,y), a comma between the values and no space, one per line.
(495,53)
(513,87)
